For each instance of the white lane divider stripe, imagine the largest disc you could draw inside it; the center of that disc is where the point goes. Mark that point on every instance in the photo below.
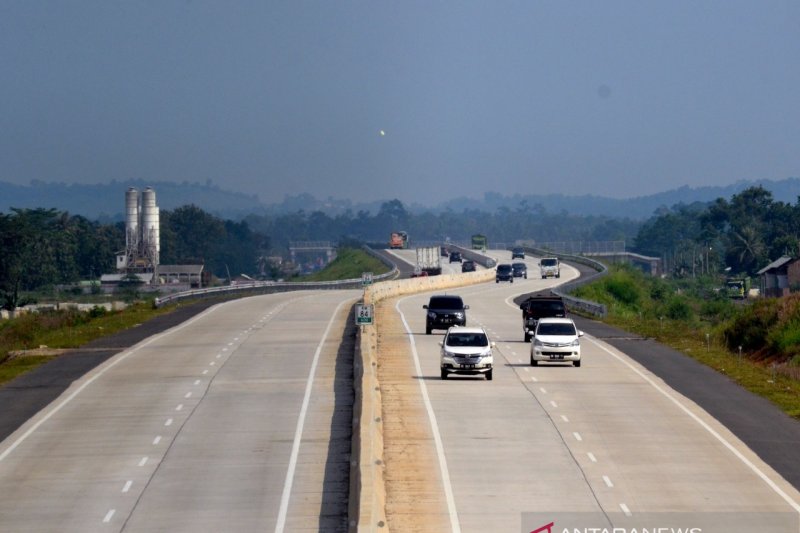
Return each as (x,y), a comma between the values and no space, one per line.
(91,380)
(109,515)
(455,526)
(298,433)
(143,461)
(156,440)
(127,486)
(705,426)
(553,403)
(608,482)
(592,458)
(577,436)
(625,509)
(564,418)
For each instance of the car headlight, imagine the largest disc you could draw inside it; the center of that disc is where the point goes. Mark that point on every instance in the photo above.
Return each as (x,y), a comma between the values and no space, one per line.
(431,314)
(537,342)
(576,342)
(459,315)
(486,353)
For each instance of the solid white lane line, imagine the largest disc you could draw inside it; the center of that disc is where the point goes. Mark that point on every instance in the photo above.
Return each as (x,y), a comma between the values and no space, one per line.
(179,407)
(577,436)
(143,461)
(127,486)
(108,516)
(298,433)
(156,440)
(592,458)
(608,482)
(553,403)
(625,509)
(788,499)
(168,422)
(564,418)
(455,526)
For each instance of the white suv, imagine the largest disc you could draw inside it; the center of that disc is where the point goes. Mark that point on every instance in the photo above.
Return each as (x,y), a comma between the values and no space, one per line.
(557,340)
(466,351)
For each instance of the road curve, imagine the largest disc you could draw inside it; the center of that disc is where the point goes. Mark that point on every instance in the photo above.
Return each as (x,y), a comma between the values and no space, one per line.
(237,420)
(609,439)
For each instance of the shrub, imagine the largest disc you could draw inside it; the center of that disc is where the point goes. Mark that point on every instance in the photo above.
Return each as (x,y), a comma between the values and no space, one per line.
(678,308)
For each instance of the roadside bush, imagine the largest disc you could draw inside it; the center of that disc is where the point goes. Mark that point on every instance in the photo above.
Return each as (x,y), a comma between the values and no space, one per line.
(717,309)
(677,308)
(622,286)
(750,327)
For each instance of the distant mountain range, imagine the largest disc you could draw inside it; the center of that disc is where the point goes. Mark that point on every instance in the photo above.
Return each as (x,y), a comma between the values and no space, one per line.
(106,202)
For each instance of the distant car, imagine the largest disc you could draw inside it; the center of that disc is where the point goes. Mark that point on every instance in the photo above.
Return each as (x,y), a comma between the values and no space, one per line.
(517,253)
(520,270)
(455,257)
(419,273)
(556,340)
(443,251)
(504,273)
(466,351)
(444,311)
(468,265)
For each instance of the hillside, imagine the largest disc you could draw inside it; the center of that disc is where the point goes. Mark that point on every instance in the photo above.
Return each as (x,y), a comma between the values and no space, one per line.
(106,201)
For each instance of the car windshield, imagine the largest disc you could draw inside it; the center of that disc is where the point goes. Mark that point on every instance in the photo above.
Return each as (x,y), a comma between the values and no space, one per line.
(556,328)
(467,339)
(549,262)
(504,268)
(446,303)
(518,266)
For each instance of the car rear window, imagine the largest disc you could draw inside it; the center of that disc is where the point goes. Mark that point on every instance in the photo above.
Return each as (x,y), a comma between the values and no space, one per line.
(467,339)
(558,328)
(504,268)
(446,302)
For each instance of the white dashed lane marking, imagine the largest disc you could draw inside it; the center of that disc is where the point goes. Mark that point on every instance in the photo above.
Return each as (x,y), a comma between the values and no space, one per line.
(592,458)
(108,516)
(127,486)
(608,481)
(143,461)
(577,436)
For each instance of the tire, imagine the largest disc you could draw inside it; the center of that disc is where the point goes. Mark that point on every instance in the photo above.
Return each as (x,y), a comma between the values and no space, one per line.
(489,375)
(512,280)
(428,331)
(534,362)
(544,277)
(497,281)
(576,363)
(444,374)
(526,276)
(527,337)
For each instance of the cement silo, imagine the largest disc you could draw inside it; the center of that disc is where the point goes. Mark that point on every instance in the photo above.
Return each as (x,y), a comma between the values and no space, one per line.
(150,234)
(142,239)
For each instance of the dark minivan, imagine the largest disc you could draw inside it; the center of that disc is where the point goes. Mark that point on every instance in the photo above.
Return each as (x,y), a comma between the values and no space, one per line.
(445,311)
(540,306)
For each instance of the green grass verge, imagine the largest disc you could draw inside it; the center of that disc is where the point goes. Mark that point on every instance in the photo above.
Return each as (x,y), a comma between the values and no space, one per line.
(350,263)
(63,329)
(688,317)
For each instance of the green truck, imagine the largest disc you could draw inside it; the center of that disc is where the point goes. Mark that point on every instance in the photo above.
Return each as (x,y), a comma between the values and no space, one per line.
(479,242)
(737,288)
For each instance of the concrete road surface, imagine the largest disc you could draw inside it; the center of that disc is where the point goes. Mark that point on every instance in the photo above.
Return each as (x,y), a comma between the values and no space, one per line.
(608,439)
(237,420)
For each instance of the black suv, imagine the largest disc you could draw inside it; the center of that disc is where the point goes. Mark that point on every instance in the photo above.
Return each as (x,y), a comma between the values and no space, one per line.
(520,270)
(537,307)
(517,253)
(468,265)
(504,273)
(455,257)
(445,311)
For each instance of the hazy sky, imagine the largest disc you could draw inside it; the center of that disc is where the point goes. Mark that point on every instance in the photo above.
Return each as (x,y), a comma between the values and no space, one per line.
(268,97)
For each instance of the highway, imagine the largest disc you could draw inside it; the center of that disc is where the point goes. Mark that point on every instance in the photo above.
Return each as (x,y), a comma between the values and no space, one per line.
(609,438)
(237,420)
(240,419)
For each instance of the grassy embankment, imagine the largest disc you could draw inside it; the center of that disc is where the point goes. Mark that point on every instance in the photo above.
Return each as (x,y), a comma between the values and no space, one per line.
(690,316)
(61,330)
(350,263)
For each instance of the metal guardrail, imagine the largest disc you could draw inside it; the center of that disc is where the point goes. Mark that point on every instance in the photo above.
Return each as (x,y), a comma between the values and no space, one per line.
(270,287)
(593,308)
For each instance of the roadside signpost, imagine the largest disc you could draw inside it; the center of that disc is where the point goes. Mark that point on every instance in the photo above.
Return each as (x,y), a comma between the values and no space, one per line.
(364,315)
(366,279)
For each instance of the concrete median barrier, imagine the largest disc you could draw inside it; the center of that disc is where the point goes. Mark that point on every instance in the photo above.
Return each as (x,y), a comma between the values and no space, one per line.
(367,485)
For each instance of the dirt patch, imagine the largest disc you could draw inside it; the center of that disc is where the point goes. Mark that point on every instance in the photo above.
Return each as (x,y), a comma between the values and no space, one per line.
(414,492)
